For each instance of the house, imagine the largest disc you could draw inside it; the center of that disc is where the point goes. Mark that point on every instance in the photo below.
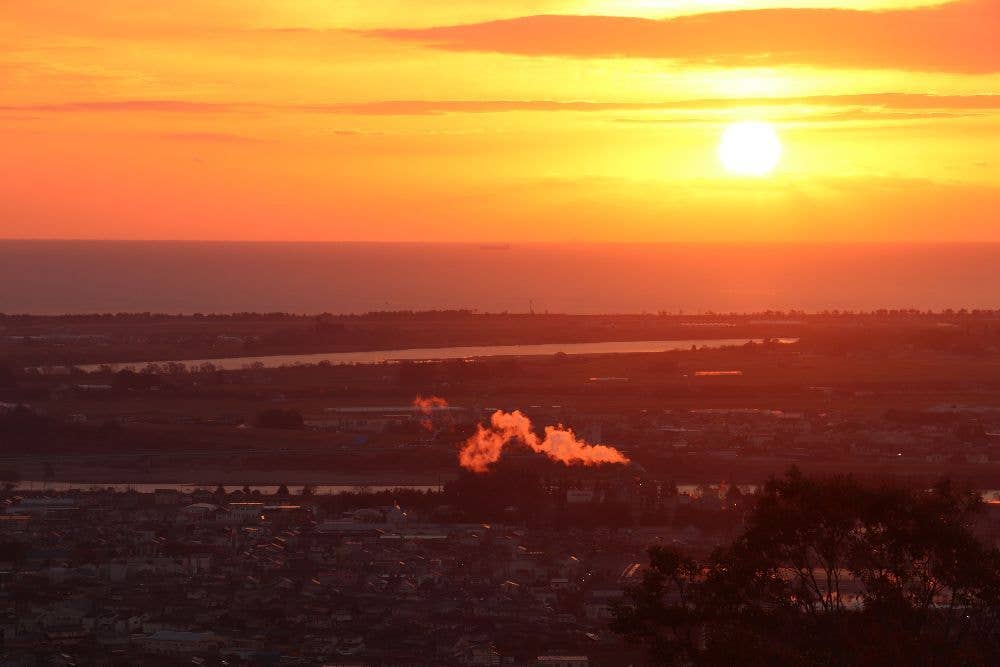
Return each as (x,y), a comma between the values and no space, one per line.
(166,497)
(48,508)
(243,513)
(562,661)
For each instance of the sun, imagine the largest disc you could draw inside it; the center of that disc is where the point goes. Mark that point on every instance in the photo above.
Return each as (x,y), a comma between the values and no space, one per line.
(750,148)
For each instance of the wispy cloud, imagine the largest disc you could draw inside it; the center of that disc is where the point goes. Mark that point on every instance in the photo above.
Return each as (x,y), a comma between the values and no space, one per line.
(955,37)
(170,106)
(849,115)
(873,101)
(210,137)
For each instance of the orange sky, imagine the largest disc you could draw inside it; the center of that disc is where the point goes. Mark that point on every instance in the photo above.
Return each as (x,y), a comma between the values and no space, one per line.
(478,120)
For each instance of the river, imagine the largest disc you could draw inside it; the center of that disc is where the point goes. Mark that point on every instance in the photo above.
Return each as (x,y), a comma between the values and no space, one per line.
(463,352)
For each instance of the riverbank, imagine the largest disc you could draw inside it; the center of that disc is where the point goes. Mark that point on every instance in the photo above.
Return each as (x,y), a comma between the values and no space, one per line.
(461,352)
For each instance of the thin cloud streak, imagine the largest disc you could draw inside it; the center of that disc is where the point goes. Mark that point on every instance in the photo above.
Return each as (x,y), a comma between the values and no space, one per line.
(956,37)
(142,106)
(210,137)
(891,100)
(849,115)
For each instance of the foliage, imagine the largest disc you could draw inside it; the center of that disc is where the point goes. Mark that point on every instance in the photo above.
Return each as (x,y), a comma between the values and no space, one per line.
(829,572)
(22,420)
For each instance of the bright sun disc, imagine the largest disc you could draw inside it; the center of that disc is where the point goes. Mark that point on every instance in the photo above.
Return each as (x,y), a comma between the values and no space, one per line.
(750,148)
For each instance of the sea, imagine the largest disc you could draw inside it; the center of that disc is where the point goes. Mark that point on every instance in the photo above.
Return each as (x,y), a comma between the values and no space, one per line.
(55,277)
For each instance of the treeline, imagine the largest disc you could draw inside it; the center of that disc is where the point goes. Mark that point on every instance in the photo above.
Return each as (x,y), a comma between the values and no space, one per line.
(280,316)
(828,572)
(969,336)
(242,316)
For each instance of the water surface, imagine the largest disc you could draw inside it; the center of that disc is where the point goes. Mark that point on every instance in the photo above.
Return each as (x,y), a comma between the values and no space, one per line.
(52,277)
(461,352)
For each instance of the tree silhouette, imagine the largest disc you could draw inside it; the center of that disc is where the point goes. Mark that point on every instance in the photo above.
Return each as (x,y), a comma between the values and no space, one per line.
(829,572)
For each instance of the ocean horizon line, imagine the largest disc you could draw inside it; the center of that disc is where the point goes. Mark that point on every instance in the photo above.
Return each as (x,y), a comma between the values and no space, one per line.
(513,244)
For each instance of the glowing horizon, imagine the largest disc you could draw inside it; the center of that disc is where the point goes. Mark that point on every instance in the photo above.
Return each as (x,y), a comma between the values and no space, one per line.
(535,121)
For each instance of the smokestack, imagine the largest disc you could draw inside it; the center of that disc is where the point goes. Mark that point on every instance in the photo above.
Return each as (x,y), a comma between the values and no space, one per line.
(559,444)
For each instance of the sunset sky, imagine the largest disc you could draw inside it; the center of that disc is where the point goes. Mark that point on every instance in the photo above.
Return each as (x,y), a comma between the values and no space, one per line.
(482,120)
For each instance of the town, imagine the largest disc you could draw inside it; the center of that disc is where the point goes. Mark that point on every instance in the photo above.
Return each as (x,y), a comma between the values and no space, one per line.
(404,577)
(470,511)
(241,576)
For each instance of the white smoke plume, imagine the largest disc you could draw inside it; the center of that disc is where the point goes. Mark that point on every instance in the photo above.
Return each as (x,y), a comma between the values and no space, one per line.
(426,405)
(559,444)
